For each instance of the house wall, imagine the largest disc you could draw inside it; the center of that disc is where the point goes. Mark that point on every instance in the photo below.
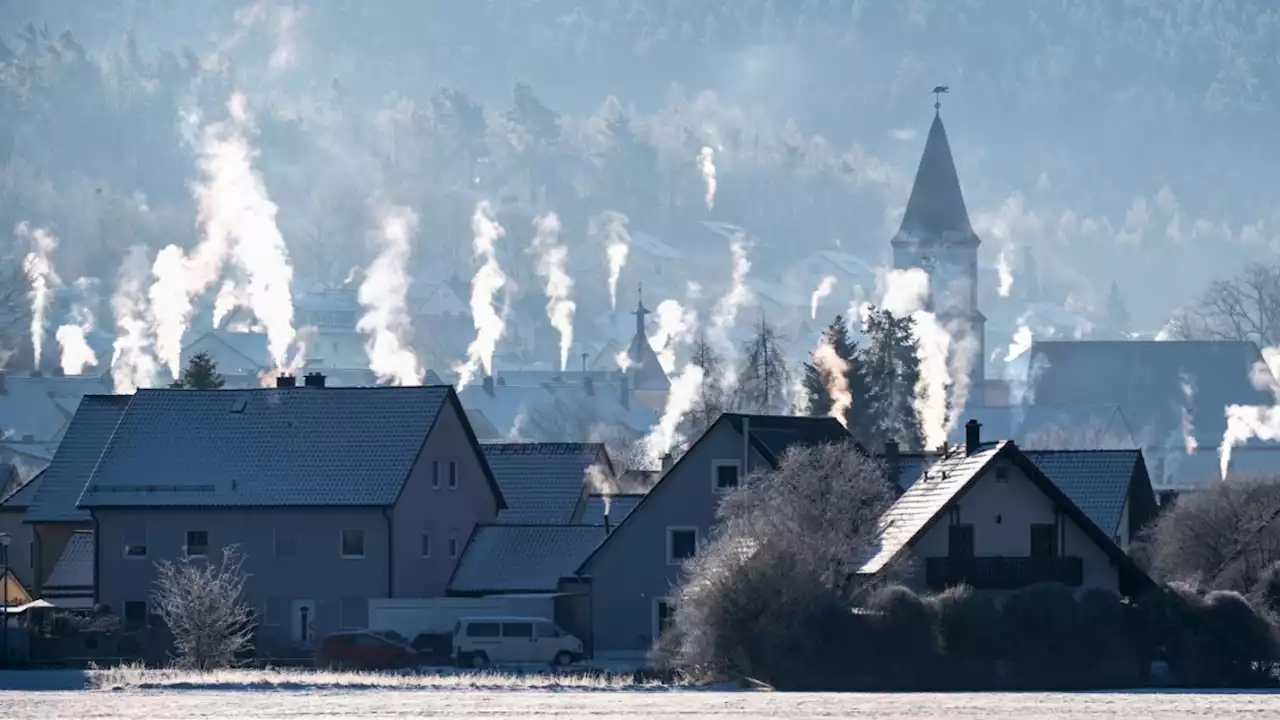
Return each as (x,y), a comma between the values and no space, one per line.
(22,551)
(1017,504)
(1122,534)
(629,573)
(443,513)
(316,571)
(228,360)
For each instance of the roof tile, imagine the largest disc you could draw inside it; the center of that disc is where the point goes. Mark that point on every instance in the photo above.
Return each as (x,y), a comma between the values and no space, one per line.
(523,558)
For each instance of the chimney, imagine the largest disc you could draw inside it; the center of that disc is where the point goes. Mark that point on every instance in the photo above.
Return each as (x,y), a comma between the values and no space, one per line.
(285,380)
(313,380)
(625,397)
(972,436)
(176,385)
(589,386)
(608,528)
(488,386)
(59,372)
(666,462)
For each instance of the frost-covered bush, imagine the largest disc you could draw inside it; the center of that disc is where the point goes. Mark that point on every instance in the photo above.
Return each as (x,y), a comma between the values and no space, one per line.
(202,603)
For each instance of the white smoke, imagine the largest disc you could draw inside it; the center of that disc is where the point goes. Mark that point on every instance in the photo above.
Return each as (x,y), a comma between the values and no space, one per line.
(382,295)
(133,365)
(229,298)
(488,280)
(707,166)
(824,289)
(617,246)
(676,324)
(76,352)
(1189,443)
(905,293)
(1005,272)
(835,370)
(41,279)
(624,360)
(601,483)
(725,313)
(1245,422)
(171,295)
(559,286)
(680,400)
(963,353)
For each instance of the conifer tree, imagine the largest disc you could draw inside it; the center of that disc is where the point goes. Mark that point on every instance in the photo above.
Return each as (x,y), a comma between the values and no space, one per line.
(710,402)
(764,379)
(857,418)
(201,373)
(891,369)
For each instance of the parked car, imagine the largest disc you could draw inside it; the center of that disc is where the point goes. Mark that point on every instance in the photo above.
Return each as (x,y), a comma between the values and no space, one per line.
(364,650)
(480,642)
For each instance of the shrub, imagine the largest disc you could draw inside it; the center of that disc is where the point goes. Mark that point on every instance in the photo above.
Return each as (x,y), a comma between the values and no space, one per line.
(905,636)
(1106,641)
(968,632)
(1266,592)
(1040,632)
(1244,642)
(202,604)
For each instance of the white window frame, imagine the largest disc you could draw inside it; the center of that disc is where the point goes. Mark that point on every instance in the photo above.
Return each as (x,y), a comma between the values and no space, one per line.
(672,530)
(342,550)
(425,547)
(715,475)
(655,619)
(125,545)
(186,550)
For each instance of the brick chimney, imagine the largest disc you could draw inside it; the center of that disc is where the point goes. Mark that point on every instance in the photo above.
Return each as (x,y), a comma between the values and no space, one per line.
(972,436)
(625,397)
(285,380)
(589,386)
(488,386)
(313,380)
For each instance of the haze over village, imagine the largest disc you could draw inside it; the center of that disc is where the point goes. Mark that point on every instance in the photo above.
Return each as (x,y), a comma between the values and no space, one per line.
(513,294)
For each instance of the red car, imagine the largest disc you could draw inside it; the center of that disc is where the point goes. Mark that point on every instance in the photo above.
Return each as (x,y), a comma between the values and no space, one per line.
(362,650)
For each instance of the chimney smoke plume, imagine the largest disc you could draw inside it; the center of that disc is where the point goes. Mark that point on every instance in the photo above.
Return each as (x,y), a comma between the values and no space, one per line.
(488,280)
(385,322)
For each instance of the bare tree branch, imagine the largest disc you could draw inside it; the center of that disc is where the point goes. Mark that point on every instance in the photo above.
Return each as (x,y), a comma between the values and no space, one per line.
(202,603)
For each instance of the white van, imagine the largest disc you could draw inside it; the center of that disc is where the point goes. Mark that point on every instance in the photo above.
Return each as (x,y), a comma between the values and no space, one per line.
(480,642)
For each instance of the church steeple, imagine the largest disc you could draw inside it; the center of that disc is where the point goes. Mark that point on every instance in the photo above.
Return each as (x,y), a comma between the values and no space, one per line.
(646,371)
(936,213)
(640,311)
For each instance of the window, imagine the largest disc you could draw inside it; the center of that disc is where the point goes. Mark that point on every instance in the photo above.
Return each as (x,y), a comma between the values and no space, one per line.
(548,630)
(453,475)
(483,630)
(135,543)
(725,474)
(197,544)
(661,616)
(286,543)
(1002,474)
(682,544)
(453,547)
(426,545)
(517,630)
(1044,540)
(435,474)
(355,612)
(135,613)
(353,544)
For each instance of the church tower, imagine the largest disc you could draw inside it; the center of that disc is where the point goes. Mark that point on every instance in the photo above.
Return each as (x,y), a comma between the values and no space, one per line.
(936,237)
(647,380)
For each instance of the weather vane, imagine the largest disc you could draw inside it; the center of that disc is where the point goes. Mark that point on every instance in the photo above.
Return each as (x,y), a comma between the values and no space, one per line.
(937,97)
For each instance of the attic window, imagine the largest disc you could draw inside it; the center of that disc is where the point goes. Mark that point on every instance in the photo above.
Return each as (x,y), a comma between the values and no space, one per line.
(1002,474)
(238,405)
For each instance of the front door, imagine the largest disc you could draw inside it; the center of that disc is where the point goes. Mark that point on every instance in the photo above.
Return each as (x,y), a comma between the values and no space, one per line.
(302,622)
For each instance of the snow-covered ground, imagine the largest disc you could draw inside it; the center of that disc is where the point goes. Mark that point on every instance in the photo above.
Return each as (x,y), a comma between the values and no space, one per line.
(393,704)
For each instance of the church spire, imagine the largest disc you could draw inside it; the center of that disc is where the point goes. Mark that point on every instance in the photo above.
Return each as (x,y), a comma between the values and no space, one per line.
(936,212)
(640,311)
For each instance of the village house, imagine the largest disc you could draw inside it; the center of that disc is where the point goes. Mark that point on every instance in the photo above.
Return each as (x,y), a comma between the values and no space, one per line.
(333,495)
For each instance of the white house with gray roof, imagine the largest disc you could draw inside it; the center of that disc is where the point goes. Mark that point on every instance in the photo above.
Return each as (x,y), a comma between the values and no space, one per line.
(995,518)
(334,495)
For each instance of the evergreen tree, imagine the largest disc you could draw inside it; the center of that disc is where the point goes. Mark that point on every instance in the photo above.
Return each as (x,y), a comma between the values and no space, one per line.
(857,417)
(710,403)
(764,379)
(201,373)
(891,369)
(1117,314)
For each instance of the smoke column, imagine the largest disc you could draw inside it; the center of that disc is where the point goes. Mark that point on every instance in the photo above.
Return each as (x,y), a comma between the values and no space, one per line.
(707,166)
(684,392)
(835,370)
(824,289)
(558,284)
(725,313)
(617,246)
(1006,275)
(38,266)
(488,280)
(76,353)
(675,324)
(132,363)
(1245,422)
(170,297)
(382,295)
(905,293)
(961,356)
(228,299)
(624,360)
(1189,443)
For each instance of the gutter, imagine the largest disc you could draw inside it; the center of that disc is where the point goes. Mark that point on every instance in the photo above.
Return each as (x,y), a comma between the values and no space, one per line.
(391,551)
(97,561)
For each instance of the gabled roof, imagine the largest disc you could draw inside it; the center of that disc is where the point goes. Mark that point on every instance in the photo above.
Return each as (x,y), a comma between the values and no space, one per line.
(522,558)
(950,477)
(543,482)
(936,211)
(1145,379)
(773,435)
(269,447)
(509,402)
(1201,469)
(62,482)
(252,346)
(73,573)
(40,406)
(20,497)
(620,506)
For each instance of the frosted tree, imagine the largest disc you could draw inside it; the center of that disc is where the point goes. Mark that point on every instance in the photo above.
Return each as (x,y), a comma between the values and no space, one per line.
(202,603)
(201,373)
(1117,319)
(710,402)
(764,380)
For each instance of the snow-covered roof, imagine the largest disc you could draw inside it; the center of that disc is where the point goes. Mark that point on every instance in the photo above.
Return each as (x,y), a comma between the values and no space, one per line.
(74,570)
(653,246)
(523,558)
(543,482)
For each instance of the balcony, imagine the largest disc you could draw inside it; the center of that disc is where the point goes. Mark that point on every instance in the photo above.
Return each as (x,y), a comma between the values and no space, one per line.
(996,573)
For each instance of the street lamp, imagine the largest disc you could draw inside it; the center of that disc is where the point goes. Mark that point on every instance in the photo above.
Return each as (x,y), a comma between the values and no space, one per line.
(4,596)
